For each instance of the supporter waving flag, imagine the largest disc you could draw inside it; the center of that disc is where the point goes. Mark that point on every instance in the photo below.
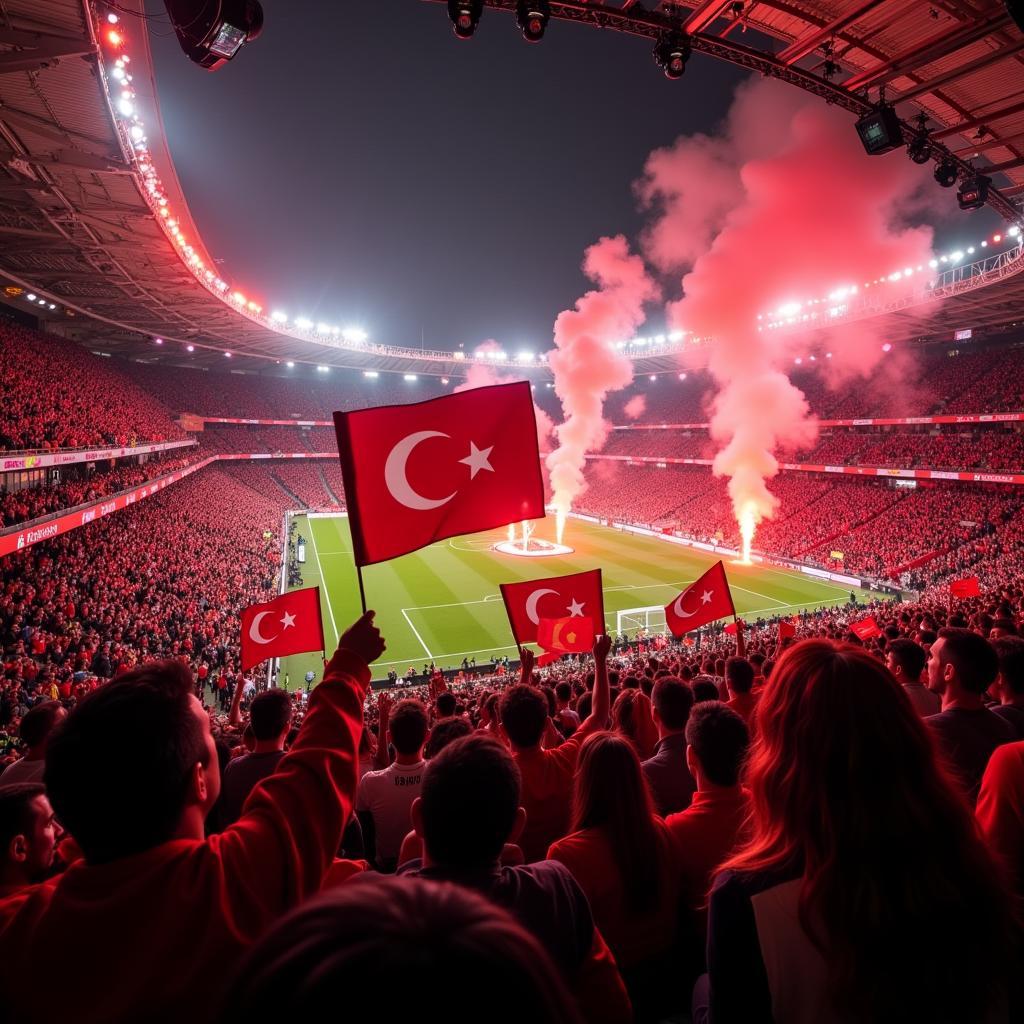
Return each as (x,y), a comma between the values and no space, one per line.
(575,596)
(569,635)
(969,586)
(290,624)
(865,629)
(415,474)
(704,601)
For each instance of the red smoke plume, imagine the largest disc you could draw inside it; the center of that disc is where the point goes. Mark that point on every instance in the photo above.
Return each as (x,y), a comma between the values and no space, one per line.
(586,364)
(796,211)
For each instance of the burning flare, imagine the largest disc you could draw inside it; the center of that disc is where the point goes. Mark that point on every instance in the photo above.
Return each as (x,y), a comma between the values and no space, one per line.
(748,523)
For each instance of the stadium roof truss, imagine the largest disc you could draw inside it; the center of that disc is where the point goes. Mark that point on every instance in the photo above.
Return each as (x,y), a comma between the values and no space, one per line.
(79,228)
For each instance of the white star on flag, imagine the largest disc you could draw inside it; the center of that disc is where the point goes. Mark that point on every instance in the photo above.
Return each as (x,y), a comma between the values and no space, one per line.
(705,598)
(288,620)
(576,608)
(477,459)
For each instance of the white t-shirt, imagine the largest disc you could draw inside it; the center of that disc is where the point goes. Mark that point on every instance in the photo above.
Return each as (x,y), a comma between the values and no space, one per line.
(388,795)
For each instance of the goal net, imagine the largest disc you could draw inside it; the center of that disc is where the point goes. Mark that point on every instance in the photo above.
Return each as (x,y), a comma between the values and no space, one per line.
(637,621)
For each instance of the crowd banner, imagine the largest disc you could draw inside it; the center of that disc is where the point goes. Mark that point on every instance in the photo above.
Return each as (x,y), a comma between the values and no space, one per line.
(10,462)
(963,476)
(899,421)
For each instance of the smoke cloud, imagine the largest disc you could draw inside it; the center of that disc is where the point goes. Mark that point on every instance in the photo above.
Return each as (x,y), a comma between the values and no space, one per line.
(480,375)
(635,407)
(797,211)
(586,364)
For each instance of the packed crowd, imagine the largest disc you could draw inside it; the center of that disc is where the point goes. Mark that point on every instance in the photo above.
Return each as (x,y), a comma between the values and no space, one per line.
(55,394)
(918,537)
(165,579)
(77,488)
(628,836)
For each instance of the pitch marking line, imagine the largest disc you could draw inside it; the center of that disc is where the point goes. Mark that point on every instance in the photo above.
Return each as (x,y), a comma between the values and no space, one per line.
(323,584)
(512,647)
(418,637)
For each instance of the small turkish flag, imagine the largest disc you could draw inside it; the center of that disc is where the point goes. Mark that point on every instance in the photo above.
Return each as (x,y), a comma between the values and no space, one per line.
(290,624)
(415,474)
(969,586)
(865,629)
(786,628)
(571,635)
(702,602)
(578,594)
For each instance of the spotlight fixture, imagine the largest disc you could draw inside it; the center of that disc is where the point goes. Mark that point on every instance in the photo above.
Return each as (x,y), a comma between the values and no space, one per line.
(465,16)
(946,173)
(973,193)
(211,32)
(880,131)
(920,149)
(671,52)
(533,17)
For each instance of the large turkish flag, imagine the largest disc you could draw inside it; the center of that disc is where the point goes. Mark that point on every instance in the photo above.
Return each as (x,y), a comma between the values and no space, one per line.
(702,602)
(415,474)
(576,595)
(290,624)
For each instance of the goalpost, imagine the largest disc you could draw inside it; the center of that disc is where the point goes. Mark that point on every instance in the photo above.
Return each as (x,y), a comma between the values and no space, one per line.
(634,621)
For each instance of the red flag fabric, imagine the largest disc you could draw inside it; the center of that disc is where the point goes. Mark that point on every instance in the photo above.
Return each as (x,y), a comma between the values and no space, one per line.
(702,602)
(864,629)
(730,629)
(786,628)
(969,586)
(415,474)
(575,595)
(570,635)
(290,624)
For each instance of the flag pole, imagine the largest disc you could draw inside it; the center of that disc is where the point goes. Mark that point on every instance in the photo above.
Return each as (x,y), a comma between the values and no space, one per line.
(362,591)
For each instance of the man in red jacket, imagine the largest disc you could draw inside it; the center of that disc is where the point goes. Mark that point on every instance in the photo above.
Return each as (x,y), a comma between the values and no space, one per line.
(158,915)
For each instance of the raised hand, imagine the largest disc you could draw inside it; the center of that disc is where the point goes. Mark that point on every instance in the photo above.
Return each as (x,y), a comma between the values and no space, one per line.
(363,638)
(527,659)
(602,645)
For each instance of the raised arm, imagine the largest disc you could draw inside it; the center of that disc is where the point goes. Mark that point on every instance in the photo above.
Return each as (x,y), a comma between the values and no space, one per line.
(277,852)
(382,758)
(601,698)
(527,659)
(235,716)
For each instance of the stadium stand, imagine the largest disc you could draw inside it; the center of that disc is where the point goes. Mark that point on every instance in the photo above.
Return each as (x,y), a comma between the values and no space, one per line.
(618,908)
(54,394)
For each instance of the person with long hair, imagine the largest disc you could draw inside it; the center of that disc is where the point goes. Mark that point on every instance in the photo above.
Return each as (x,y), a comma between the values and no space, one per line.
(864,892)
(620,852)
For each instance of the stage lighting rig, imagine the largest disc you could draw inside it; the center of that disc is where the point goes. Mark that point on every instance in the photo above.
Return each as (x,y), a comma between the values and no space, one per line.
(465,16)
(880,131)
(533,17)
(671,52)
(973,193)
(211,32)
(919,149)
(947,173)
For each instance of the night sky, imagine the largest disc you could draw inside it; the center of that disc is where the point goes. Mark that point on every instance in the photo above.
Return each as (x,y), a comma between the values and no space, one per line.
(358,164)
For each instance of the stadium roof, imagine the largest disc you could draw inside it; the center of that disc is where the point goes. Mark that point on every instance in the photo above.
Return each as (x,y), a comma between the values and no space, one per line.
(93,220)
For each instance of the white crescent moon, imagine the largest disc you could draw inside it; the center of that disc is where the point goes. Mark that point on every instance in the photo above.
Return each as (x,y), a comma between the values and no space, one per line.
(531,604)
(254,629)
(396,479)
(677,608)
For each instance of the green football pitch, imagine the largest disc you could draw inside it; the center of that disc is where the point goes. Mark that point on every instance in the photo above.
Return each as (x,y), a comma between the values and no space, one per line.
(442,603)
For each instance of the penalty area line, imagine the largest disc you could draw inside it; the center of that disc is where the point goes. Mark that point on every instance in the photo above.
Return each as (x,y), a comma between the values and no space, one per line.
(323,584)
(405,614)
